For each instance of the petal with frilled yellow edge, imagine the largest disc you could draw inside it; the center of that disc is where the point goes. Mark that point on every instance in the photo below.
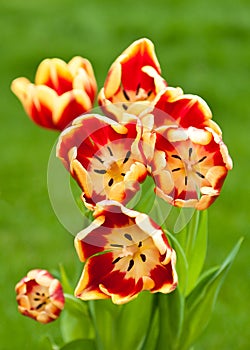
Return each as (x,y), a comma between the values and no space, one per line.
(126,253)
(40,296)
(197,163)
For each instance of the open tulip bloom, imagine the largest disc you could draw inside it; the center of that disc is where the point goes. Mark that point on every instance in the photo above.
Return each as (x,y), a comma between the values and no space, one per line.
(146,138)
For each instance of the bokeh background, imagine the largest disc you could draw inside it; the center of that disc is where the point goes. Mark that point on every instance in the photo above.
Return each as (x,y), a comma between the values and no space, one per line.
(202,46)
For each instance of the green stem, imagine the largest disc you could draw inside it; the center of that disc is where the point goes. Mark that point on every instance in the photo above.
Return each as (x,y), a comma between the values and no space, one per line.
(144,345)
(91,307)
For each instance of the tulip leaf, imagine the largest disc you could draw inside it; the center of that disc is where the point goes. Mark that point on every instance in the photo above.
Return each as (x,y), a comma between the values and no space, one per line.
(80,344)
(67,287)
(75,322)
(134,321)
(181,263)
(171,315)
(196,248)
(200,303)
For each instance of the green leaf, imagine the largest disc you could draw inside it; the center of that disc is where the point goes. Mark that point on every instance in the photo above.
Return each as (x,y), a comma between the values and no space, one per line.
(196,248)
(75,322)
(171,314)
(67,287)
(80,344)
(134,322)
(200,303)
(181,263)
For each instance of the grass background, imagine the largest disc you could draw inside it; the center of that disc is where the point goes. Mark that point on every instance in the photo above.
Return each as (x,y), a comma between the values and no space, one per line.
(203,46)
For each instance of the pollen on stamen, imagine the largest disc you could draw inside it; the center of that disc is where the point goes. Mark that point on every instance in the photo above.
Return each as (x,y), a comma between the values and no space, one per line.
(140,244)
(128,154)
(200,175)
(126,95)
(176,169)
(111,181)
(190,152)
(123,174)
(176,156)
(137,89)
(116,260)
(143,257)
(149,92)
(128,236)
(99,159)
(102,171)
(186,180)
(201,160)
(130,265)
(110,151)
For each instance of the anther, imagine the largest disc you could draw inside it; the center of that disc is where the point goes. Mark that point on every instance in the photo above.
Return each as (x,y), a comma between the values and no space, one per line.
(140,244)
(150,92)
(123,174)
(176,169)
(137,89)
(201,160)
(116,245)
(128,236)
(190,152)
(143,257)
(176,156)
(130,265)
(100,171)
(98,158)
(110,183)
(110,151)
(200,175)
(125,107)
(116,260)
(128,154)
(186,180)
(126,95)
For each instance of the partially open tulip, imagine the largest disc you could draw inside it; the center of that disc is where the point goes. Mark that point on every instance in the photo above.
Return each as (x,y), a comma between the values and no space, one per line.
(40,296)
(61,92)
(133,77)
(125,253)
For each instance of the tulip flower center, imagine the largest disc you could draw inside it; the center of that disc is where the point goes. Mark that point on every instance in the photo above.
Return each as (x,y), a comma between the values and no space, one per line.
(130,96)
(134,257)
(188,166)
(39,298)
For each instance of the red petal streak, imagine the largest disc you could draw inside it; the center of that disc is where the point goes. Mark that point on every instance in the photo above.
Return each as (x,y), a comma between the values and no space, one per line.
(162,275)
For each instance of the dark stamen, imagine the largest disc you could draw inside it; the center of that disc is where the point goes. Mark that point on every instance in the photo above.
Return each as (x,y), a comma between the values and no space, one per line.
(201,160)
(138,88)
(110,151)
(200,175)
(123,174)
(98,158)
(128,154)
(128,236)
(116,260)
(116,245)
(186,180)
(36,299)
(110,183)
(100,171)
(125,107)
(40,305)
(37,293)
(190,152)
(150,92)
(131,264)
(140,244)
(143,257)
(176,156)
(126,95)
(176,169)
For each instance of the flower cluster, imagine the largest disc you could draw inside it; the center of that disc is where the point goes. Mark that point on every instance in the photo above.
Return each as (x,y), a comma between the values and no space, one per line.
(146,129)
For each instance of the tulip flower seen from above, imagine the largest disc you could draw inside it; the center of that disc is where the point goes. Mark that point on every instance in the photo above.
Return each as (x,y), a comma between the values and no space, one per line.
(61,92)
(104,158)
(135,256)
(40,296)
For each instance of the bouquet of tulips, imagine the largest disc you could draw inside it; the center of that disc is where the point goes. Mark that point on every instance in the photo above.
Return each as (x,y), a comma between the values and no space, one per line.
(148,160)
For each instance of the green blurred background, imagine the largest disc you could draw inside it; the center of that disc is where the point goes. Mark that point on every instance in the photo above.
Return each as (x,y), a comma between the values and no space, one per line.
(202,46)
